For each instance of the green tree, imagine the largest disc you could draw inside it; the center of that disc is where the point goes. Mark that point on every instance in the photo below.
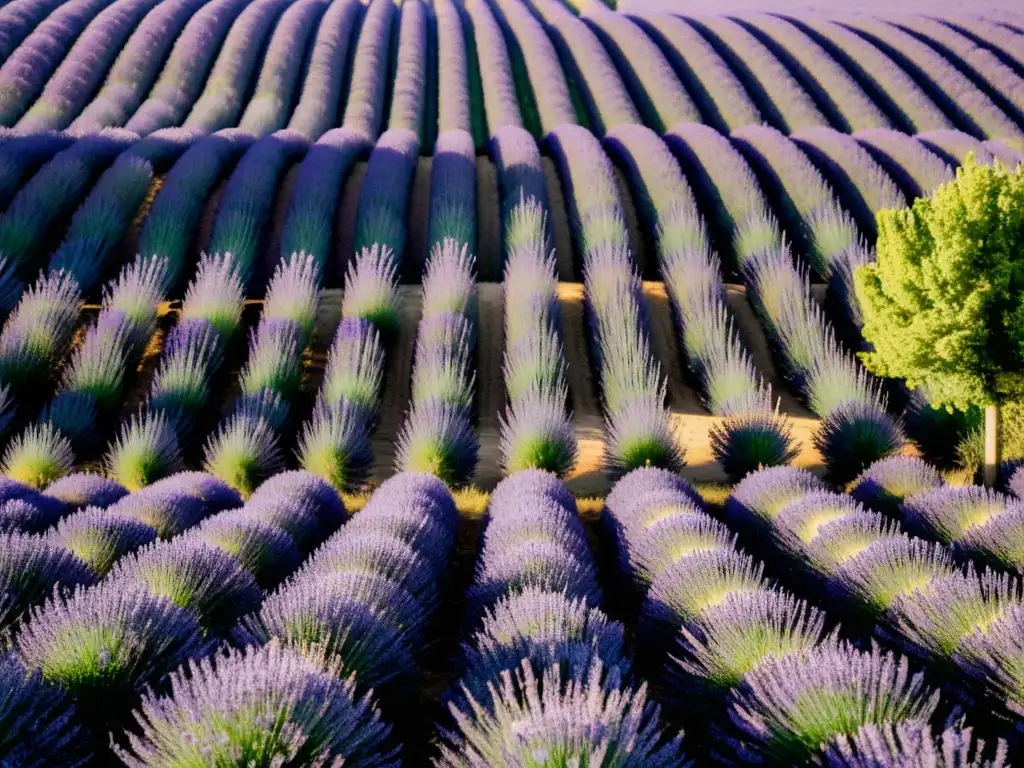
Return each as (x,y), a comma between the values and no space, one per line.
(943,304)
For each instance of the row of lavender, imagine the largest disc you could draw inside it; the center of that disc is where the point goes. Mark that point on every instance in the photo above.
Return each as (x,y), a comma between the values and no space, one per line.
(246,449)
(765,676)
(144,65)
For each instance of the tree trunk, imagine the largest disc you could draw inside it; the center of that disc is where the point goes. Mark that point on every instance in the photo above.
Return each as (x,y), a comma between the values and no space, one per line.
(992,439)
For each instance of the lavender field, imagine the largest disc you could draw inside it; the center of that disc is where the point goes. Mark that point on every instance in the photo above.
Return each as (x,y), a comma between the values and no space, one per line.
(481,383)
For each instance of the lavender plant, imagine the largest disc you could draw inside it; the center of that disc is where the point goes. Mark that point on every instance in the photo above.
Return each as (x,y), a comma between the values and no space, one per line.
(271,103)
(915,168)
(501,104)
(27,67)
(907,743)
(453,99)
(968,104)
(317,108)
(30,568)
(83,68)
(384,195)
(565,719)
(589,67)
(863,184)
(216,710)
(753,435)
(782,101)
(546,79)
(18,19)
(220,102)
(658,94)
(100,537)
(848,106)
(820,227)
(633,391)
(132,73)
(21,156)
(51,194)
(38,727)
(723,101)
(84,489)
(897,91)
(886,484)
(407,91)
(364,110)
(184,74)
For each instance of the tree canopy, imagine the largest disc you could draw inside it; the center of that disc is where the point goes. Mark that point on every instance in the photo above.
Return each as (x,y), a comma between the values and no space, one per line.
(943,304)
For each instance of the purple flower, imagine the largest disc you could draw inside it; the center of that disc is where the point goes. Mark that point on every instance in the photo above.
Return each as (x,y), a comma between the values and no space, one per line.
(366,107)
(995,656)
(317,107)
(260,547)
(591,68)
(18,515)
(371,290)
(661,545)
(786,105)
(533,563)
(214,493)
(508,495)
(99,537)
(193,575)
(761,496)
(909,744)
(377,553)
(891,567)
(347,618)
(788,707)
(412,523)
(801,521)
(308,490)
(225,705)
(887,483)
(109,641)
(30,568)
(735,637)
(38,722)
(168,511)
(999,541)
(282,69)
(695,584)
(501,104)
(552,104)
(949,513)
(536,519)
(546,630)
(935,619)
(589,721)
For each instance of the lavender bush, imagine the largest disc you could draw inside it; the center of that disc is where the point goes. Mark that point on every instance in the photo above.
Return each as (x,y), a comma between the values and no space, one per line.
(365,109)
(316,111)
(271,102)
(184,74)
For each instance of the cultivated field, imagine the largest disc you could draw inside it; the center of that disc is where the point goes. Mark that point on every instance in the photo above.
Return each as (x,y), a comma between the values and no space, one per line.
(478,382)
